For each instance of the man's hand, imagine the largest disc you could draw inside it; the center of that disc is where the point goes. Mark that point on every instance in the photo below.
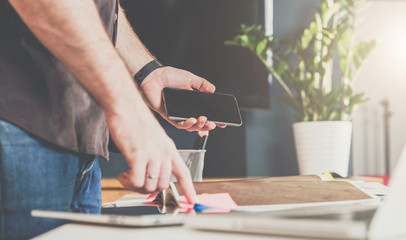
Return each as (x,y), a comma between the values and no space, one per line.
(160,78)
(131,51)
(151,155)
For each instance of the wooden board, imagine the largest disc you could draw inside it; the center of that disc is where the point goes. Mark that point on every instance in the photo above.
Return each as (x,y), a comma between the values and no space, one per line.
(268,192)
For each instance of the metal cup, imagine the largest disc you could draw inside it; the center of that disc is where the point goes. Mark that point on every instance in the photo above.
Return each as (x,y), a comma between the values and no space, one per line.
(194,160)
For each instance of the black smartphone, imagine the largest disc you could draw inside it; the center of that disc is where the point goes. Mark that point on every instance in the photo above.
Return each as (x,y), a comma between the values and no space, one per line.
(181,104)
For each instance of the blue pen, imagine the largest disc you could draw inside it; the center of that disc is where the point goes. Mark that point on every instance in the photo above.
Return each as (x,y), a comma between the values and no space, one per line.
(200,208)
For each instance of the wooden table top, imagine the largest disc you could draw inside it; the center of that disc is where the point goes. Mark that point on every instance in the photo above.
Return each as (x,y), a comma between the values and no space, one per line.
(113,190)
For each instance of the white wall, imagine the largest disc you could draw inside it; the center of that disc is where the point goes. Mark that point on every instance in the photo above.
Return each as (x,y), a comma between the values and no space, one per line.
(382,76)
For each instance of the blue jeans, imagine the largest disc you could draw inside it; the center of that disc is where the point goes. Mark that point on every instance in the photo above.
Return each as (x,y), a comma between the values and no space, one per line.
(36,175)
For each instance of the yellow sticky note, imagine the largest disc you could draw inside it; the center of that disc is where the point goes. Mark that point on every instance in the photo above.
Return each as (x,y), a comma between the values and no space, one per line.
(326,176)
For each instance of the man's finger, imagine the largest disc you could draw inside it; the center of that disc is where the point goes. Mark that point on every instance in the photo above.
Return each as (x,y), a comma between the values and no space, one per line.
(206,128)
(135,176)
(128,180)
(184,124)
(182,173)
(124,179)
(202,84)
(152,176)
(190,122)
(200,122)
(166,171)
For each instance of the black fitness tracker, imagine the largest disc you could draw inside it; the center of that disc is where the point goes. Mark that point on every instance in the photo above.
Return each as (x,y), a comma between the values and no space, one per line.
(146,70)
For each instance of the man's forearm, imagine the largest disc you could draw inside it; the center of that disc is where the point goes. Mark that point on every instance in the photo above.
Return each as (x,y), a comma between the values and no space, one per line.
(129,46)
(73,32)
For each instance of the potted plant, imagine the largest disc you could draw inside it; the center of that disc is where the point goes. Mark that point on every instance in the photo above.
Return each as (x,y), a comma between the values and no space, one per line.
(304,68)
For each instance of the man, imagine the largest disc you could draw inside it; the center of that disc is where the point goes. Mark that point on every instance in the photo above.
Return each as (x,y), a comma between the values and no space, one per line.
(62,84)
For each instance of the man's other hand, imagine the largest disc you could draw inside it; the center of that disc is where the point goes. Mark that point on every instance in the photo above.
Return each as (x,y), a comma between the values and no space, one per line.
(153,85)
(151,155)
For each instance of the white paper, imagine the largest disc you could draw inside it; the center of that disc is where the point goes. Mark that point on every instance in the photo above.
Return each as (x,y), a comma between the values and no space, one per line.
(128,200)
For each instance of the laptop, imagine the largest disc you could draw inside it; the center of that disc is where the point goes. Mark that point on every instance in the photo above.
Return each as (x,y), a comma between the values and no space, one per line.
(385,220)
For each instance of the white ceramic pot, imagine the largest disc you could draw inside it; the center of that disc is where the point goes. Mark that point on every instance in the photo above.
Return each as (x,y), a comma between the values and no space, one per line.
(323,145)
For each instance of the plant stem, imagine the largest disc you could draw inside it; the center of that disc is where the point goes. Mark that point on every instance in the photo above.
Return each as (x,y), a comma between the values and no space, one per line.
(301,93)
(276,76)
(277,58)
(346,74)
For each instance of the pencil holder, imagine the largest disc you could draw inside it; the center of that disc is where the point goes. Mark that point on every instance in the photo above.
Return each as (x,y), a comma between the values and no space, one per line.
(194,160)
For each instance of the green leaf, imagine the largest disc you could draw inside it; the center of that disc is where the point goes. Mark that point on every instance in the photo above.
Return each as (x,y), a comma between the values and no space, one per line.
(313,27)
(357,61)
(329,12)
(362,51)
(329,34)
(357,99)
(294,103)
(302,66)
(281,67)
(330,97)
(247,29)
(306,38)
(343,64)
(262,46)
(319,23)
(342,50)
(245,42)
(333,116)
(231,43)
(331,49)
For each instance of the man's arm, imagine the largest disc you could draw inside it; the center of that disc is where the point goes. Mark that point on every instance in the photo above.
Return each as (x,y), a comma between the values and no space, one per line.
(128,46)
(73,32)
(128,43)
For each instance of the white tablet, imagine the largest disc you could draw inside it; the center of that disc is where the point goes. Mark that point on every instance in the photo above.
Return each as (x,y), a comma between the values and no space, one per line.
(125,216)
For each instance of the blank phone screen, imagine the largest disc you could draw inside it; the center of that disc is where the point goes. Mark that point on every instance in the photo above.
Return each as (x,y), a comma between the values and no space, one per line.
(219,108)
(131,211)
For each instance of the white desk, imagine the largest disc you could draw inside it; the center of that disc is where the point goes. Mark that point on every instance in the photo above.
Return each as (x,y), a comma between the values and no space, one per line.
(88,232)
(112,191)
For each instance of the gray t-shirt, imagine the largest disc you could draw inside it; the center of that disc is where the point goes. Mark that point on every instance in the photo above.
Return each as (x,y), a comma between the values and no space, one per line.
(40,95)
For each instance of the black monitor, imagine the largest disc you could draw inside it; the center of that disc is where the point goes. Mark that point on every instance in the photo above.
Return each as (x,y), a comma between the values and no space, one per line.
(190,34)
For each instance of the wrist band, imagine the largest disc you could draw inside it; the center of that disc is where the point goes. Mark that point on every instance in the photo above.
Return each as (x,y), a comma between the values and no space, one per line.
(146,70)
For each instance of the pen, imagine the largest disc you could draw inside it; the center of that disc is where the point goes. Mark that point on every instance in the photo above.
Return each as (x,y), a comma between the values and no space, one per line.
(201,140)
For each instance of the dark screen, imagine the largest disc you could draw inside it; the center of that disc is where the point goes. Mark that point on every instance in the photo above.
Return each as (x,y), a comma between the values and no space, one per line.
(131,211)
(216,107)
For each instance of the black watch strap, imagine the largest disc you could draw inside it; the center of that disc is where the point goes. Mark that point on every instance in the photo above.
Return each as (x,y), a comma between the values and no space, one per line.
(146,70)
